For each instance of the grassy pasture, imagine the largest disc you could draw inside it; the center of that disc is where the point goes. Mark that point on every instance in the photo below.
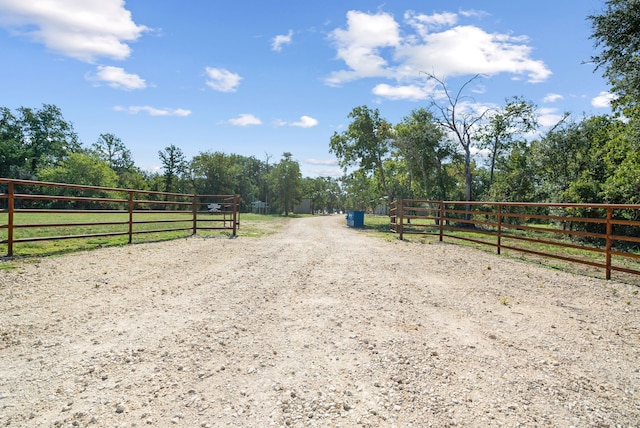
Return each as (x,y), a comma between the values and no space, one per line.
(252,225)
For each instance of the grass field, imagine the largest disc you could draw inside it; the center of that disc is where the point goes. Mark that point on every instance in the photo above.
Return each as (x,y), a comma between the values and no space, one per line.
(148,227)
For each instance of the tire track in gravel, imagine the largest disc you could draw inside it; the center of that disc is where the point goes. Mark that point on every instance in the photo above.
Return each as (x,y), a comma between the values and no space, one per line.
(317,325)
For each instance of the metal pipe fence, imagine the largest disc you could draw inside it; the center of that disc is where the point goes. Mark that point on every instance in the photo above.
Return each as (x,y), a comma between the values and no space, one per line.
(603,236)
(47,208)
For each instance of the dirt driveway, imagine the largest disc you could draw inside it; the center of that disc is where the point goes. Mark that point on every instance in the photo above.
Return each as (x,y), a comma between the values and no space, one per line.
(318,325)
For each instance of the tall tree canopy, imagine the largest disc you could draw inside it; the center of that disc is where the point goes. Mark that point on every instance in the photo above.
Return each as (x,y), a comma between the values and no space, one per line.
(12,150)
(48,138)
(286,181)
(616,32)
(173,165)
(503,127)
(365,143)
(112,150)
(33,139)
(422,143)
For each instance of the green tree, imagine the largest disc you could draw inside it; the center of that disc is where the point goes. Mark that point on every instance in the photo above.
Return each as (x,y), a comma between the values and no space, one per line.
(400,179)
(214,173)
(314,189)
(286,181)
(12,152)
(46,137)
(364,144)
(420,140)
(249,177)
(112,150)
(324,193)
(335,195)
(360,190)
(616,31)
(133,179)
(503,127)
(81,168)
(622,158)
(517,178)
(570,160)
(217,173)
(173,165)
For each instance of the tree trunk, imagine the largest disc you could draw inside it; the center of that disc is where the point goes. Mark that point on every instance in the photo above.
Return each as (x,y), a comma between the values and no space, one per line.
(467,173)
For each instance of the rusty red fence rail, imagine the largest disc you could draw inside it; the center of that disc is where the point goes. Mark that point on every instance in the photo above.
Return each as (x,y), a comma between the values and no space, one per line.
(602,236)
(146,211)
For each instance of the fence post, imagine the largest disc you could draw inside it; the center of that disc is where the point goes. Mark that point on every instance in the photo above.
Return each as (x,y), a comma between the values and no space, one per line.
(441,216)
(400,217)
(393,212)
(194,210)
(130,208)
(608,245)
(499,227)
(11,207)
(236,208)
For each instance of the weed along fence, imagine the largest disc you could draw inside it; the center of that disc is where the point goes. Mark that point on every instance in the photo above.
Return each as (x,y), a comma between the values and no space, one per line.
(32,211)
(597,235)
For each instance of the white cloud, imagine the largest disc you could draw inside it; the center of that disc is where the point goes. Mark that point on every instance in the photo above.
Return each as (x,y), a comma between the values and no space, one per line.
(321,162)
(222,80)
(80,29)
(465,50)
(117,78)
(549,116)
(359,45)
(280,40)
(152,111)
(407,92)
(376,45)
(245,120)
(334,172)
(472,13)
(603,100)
(552,98)
(304,122)
(424,23)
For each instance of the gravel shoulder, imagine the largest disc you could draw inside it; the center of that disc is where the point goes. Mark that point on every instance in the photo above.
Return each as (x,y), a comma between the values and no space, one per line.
(317,325)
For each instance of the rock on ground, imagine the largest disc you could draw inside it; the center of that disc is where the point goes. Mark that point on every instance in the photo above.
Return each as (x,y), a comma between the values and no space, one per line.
(318,325)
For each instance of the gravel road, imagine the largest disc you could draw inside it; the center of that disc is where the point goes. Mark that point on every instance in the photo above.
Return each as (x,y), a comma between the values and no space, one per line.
(318,325)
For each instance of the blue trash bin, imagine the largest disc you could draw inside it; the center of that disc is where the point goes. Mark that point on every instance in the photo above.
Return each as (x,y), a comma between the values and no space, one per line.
(355,218)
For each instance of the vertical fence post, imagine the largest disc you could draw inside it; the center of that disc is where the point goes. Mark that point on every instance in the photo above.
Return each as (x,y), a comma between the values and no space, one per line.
(441,216)
(11,207)
(400,217)
(499,228)
(239,199)
(608,245)
(393,216)
(194,210)
(236,208)
(130,209)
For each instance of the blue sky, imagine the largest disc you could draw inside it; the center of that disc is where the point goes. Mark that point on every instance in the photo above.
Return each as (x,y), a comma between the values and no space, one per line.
(259,78)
